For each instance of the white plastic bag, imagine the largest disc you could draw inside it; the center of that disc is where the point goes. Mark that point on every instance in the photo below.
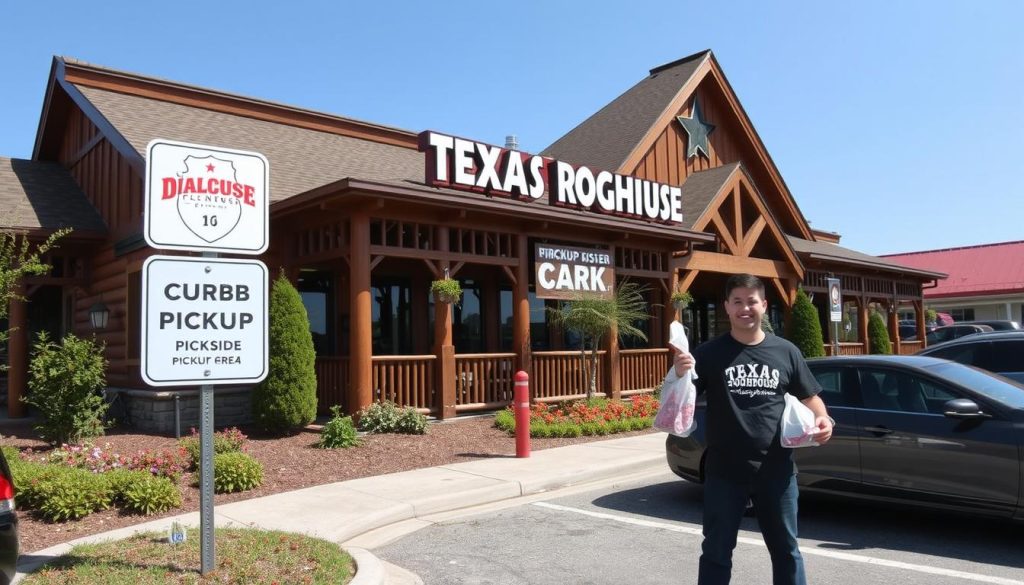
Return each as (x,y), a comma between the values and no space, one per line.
(679,397)
(798,426)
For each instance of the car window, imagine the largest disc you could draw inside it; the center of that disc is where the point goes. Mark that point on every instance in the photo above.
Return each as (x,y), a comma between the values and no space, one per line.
(965,353)
(834,392)
(1002,356)
(902,392)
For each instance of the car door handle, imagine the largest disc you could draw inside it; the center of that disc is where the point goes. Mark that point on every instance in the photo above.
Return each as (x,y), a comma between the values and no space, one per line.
(879,430)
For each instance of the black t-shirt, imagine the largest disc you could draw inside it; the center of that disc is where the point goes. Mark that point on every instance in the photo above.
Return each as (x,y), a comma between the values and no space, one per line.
(746,387)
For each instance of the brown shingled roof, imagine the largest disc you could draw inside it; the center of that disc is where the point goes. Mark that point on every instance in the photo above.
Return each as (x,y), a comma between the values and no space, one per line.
(605,140)
(836,253)
(701,188)
(43,195)
(300,159)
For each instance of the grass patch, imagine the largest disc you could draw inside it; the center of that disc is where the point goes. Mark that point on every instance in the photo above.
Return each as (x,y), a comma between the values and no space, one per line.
(243,556)
(597,416)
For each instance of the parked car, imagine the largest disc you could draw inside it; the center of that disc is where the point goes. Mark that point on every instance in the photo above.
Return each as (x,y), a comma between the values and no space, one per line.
(8,524)
(951,332)
(995,324)
(910,430)
(1000,352)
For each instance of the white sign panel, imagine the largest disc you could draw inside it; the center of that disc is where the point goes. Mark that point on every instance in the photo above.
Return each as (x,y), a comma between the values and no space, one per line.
(204,321)
(835,300)
(206,198)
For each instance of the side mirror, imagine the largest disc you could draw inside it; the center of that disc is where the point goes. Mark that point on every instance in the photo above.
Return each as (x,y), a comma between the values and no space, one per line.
(963,408)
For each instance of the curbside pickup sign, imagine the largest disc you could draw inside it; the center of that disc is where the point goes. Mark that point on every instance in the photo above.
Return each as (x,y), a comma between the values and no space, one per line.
(566,272)
(204,321)
(206,198)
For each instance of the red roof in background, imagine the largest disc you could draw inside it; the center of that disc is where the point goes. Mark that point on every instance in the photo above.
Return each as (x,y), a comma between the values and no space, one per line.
(973,270)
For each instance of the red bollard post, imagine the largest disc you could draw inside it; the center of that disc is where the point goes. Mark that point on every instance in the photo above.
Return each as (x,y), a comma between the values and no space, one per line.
(521,405)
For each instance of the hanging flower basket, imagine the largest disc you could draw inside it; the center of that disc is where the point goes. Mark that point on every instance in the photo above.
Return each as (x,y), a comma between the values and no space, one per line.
(681,299)
(447,290)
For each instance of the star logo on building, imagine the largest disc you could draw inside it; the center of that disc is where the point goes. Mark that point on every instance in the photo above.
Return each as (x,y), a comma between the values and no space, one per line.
(697,130)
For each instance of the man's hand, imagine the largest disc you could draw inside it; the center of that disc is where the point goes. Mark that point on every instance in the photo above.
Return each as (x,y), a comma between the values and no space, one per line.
(824,432)
(683,362)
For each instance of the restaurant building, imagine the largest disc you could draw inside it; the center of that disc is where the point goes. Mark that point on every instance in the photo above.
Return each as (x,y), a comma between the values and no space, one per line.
(668,185)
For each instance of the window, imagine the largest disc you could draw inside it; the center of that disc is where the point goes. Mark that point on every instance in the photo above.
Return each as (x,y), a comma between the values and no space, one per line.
(316,290)
(1002,356)
(837,386)
(467,320)
(902,392)
(962,314)
(965,353)
(391,314)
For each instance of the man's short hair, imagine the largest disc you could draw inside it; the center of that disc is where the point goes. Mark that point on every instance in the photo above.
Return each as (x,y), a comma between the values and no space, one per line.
(743,281)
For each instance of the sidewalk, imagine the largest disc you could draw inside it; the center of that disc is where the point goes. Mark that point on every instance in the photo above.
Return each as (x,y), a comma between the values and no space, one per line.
(341,511)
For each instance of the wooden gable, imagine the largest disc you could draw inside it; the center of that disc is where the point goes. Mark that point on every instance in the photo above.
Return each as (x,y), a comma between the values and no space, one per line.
(751,240)
(661,154)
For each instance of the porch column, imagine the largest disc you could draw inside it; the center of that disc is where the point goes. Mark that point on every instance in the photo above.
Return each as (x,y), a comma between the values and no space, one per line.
(921,329)
(862,322)
(17,355)
(612,383)
(360,390)
(669,309)
(444,372)
(521,309)
(894,328)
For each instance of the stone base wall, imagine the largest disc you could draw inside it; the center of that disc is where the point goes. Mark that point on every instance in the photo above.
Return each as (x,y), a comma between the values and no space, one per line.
(152,411)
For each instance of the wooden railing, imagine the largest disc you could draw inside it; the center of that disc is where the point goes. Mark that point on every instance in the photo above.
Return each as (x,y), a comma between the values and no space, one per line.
(406,380)
(911,347)
(484,381)
(562,375)
(331,382)
(640,370)
(847,348)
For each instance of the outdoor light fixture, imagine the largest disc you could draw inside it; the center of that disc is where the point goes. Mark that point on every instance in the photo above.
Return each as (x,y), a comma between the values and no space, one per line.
(98,315)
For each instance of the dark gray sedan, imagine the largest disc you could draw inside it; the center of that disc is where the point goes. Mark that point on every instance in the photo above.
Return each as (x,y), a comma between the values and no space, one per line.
(909,430)
(1000,352)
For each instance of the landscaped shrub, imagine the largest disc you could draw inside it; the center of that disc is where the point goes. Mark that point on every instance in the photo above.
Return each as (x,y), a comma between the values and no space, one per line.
(119,480)
(65,385)
(878,335)
(226,441)
(165,463)
(585,417)
(286,399)
(236,472)
(386,417)
(71,494)
(150,495)
(806,328)
(339,432)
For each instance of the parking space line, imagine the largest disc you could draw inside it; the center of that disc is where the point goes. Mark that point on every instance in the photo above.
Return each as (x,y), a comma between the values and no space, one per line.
(805,551)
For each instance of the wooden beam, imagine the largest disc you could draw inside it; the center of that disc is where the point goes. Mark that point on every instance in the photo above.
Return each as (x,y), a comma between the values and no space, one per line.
(737,212)
(781,289)
(750,239)
(511,275)
(375,261)
(452,271)
(687,279)
(396,252)
(433,267)
(726,264)
(724,233)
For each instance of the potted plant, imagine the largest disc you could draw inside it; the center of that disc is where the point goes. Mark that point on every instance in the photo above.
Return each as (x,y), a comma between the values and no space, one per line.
(681,299)
(447,290)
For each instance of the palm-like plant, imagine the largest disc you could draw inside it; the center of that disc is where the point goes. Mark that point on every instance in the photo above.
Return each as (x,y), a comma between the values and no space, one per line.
(592,317)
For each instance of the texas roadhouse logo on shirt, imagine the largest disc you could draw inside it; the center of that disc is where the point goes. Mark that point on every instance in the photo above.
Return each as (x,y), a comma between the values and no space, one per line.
(744,377)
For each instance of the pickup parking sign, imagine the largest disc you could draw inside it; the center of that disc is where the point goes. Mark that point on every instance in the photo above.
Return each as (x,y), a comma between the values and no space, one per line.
(204,321)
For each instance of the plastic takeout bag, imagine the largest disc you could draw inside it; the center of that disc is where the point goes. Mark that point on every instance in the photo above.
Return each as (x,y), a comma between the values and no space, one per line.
(679,396)
(798,426)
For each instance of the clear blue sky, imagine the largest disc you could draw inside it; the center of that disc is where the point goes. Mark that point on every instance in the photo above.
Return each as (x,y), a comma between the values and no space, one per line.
(898,124)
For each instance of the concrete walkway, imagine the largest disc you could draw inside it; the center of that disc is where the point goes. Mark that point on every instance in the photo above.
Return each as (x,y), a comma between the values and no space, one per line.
(340,512)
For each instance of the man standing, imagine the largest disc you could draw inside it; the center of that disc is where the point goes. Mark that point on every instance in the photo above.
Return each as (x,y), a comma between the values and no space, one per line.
(746,375)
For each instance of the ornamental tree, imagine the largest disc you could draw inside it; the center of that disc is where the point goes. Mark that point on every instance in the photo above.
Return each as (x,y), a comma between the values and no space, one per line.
(286,399)
(878,335)
(592,317)
(806,333)
(18,259)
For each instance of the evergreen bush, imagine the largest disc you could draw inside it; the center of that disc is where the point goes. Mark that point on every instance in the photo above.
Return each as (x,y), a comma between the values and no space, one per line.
(339,432)
(236,472)
(878,335)
(65,384)
(286,399)
(806,329)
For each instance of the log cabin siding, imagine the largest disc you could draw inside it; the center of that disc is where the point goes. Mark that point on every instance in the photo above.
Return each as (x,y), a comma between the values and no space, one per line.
(106,178)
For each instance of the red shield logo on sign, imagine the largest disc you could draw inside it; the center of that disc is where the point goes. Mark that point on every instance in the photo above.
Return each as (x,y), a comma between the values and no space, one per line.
(208,205)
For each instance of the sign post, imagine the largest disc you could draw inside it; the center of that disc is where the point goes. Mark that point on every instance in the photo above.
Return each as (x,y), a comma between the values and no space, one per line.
(204,320)
(835,310)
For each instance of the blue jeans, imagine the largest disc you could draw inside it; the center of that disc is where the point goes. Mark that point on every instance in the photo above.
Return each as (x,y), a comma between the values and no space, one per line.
(775,497)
